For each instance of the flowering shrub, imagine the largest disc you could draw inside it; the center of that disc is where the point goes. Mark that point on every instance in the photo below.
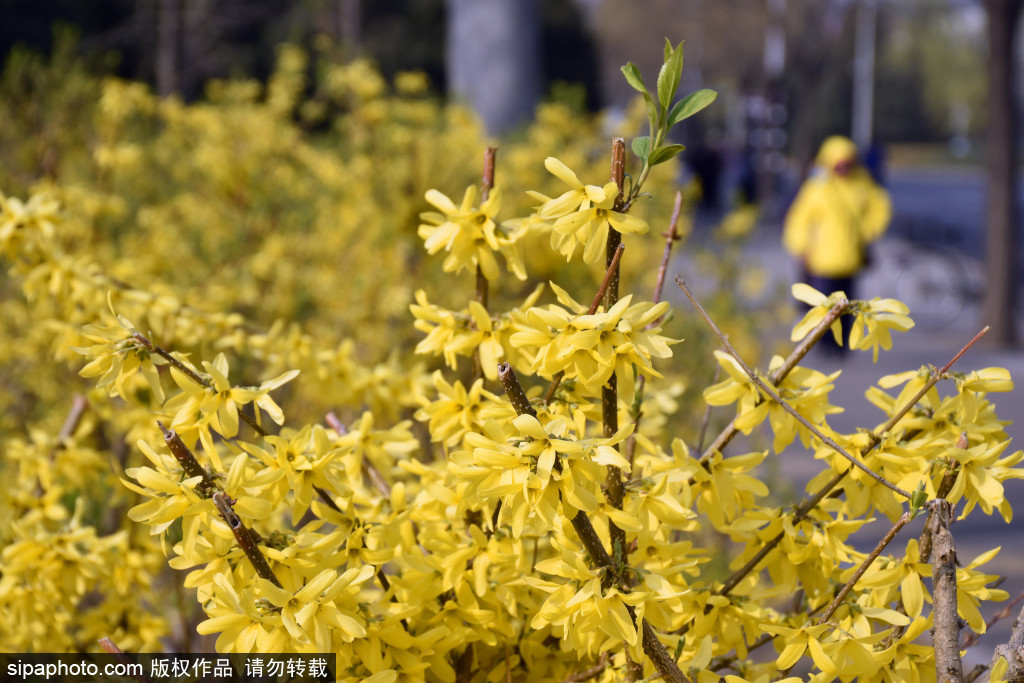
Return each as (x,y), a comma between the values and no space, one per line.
(529,512)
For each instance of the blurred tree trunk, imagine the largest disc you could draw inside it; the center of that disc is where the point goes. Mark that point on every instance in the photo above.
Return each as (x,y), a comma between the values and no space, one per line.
(492,59)
(348,31)
(168,35)
(1002,231)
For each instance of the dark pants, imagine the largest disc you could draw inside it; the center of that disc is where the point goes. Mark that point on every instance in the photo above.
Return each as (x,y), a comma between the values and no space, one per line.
(827,285)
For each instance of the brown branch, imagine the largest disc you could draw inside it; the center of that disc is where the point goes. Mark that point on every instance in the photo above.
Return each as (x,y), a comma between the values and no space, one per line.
(514,390)
(805,508)
(464,665)
(187,460)
(975,673)
(245,538)
(671,237)
(768,391)
(801,514)
(924,543)
(557,379)
(109,647)
(946,629)
(482,286)
(1013,651)
(601,560)
(191,374)
(706,419)
(610,391)
(844,591)
(587,674)
(972,638)
(79,404)
(812,502)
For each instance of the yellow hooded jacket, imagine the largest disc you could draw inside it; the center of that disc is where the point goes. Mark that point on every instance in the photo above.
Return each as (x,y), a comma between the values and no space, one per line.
(834,217)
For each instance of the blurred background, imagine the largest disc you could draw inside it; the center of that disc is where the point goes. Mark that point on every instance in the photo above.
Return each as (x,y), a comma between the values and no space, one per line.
(927,88)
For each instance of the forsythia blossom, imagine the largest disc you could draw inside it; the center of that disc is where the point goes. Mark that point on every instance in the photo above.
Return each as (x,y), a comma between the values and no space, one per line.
(583,213)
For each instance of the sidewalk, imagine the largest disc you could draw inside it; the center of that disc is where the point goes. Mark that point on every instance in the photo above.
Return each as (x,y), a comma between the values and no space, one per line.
(910,350)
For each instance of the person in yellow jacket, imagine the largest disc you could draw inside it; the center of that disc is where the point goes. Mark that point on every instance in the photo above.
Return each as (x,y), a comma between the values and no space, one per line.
(836,214)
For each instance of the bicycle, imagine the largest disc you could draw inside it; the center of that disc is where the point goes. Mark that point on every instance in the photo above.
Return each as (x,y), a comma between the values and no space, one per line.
(935,282)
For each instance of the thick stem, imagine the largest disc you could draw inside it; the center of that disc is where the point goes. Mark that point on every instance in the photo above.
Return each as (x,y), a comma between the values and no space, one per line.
(1013,651)
(514,390)
(186,459)
(946,631)
(599,556)
(244,537)
(610,391)
(482,293)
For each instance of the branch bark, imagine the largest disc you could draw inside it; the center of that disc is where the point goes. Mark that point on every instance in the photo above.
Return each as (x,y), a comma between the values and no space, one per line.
(1013,651)
(946,631)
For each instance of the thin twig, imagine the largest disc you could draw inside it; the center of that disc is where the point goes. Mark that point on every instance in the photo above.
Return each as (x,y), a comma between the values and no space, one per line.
(975,673)
(972,638)
(78,406)
(805,508)
(192,375)
(706,420)
(844,591)
(768,391)
(109,647)
(780,373)
(557,379)
(876,438)
(671,237)
(372,473)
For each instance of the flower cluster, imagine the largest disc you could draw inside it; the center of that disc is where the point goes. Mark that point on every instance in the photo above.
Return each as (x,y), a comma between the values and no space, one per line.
(541,516)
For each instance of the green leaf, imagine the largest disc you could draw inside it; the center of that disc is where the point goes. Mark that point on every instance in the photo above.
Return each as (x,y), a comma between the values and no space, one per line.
(652,111)
(633,77)
(917,500)
(671,72)
(690,105)
(642,147)
(663,154)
